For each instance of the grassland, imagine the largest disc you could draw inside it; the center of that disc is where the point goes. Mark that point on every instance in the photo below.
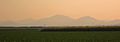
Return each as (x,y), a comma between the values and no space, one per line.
(37,36)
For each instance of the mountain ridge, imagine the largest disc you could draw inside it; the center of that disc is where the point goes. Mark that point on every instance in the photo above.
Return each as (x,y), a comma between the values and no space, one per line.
(61,20)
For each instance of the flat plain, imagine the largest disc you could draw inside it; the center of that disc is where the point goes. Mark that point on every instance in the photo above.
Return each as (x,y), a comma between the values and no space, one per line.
(77,36)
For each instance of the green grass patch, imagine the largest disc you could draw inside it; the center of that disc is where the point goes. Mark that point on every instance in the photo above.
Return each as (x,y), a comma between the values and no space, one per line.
(37,36)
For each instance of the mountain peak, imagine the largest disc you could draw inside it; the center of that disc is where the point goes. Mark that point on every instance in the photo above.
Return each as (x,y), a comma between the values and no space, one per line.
(87,18)
(59,16)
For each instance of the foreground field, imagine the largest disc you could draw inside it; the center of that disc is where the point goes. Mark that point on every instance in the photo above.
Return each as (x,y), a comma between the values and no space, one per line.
(37,36)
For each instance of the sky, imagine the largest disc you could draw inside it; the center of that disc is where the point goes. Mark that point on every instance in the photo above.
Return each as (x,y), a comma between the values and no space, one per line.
(36,9)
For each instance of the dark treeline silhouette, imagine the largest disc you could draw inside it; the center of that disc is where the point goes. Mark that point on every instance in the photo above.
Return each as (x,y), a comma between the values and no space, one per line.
(21,27)
(65,28)
(86,28)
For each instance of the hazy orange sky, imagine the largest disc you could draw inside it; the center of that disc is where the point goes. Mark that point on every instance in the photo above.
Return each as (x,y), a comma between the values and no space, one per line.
(36,9)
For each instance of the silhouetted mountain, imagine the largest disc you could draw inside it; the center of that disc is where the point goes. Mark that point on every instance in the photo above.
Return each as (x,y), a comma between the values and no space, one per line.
(60,20)
(115,22)
(57,20)
(87,18)
(88,21)
(8,23)
(27,21)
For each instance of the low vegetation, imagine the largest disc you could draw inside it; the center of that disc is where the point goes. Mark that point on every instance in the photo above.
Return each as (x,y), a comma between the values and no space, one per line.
(37,35)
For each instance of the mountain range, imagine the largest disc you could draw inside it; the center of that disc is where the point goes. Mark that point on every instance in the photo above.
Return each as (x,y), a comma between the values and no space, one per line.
(60,20)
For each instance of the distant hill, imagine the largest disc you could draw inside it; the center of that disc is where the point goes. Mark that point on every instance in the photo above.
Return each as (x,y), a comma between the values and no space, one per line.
(8,23)
(57,20)
(61,20)
(88,21)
